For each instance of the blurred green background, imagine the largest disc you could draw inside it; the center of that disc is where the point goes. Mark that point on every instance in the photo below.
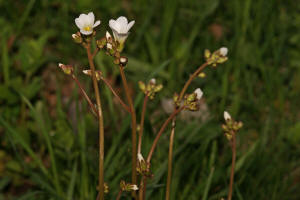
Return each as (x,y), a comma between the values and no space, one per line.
(48,138)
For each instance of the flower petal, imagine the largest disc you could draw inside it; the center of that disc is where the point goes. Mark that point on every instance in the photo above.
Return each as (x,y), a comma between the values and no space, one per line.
(96,23)
(112,24)
(79,23)
(130,25)
(91,18)
(122,23)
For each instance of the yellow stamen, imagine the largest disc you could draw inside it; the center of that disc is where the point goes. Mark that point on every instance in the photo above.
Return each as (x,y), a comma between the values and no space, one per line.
(87,28)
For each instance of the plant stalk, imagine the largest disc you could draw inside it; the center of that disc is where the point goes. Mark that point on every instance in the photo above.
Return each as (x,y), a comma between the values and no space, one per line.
(100,122)
(133,127)
(84,94)
(194,75)
(170,156)
(175,112)
(115,94)
(233,148)
(142,123)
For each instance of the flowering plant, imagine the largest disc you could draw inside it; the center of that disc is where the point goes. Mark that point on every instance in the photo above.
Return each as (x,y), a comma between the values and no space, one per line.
(141,168)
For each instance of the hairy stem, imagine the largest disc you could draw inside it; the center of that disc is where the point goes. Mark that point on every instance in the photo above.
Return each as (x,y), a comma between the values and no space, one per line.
(170,156)
(133,127)
(115,94)
(142,123)
(84,94)
(175,112)
(100,122)
(233,148)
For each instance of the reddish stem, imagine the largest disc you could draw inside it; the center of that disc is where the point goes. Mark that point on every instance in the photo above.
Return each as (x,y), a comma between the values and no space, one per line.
(233,148)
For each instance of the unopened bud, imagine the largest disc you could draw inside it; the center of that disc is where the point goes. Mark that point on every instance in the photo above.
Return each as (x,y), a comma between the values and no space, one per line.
(77,37)
(67,69)
(123,61)
(223,51)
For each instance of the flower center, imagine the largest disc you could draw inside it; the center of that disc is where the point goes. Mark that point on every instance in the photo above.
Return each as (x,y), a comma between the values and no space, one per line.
(87,28)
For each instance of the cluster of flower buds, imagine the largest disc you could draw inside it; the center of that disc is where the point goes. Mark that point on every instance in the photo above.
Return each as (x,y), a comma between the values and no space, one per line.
(191,101)
(217,57)
(106,188)
(151,88)
(97,72)
(230,127)
(67,69)
(127,187)
(142,167)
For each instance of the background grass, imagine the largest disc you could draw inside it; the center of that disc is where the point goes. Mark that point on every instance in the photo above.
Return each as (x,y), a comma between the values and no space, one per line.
(48,137)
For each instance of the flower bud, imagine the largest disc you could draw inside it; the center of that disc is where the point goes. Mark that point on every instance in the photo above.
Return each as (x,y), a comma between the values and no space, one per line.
(223,51)
(101,43)
(67,69)
(227,116)
(89,73)
(123,61)
(198,93)
(77,37)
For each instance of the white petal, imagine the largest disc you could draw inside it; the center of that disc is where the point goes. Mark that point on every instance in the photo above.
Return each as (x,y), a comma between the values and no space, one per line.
(60,64)
(199,93)
(112,24)
(91,17)
(84,32)
(226,116)
(97,23)
(79,23)
(122,24)
(223,51)
(122,20)
(130,25)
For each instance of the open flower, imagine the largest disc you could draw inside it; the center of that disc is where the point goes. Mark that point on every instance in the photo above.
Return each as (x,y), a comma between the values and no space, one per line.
(120,28)
(86,23)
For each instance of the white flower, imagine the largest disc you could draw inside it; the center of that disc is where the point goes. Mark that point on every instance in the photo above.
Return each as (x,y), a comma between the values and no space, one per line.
(223,51)
(120,28)
(198,93)
(86,23)
(153,81)
(226,116)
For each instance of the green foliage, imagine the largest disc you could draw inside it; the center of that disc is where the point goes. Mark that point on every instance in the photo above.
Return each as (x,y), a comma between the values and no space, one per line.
(49,148)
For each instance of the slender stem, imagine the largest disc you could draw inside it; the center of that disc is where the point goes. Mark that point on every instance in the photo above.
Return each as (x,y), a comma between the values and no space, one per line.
(115,94)
(170,156)
(84,94)
(233,148)
(95,52)
(101,124)
(133,127)
(175,112)
(142,191)
(194,75)
(142,124)
(119,195)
